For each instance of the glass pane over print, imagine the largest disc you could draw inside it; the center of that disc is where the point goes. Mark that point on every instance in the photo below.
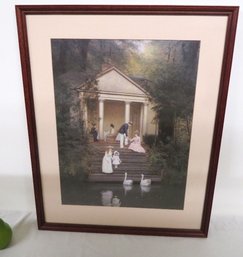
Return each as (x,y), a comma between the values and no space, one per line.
(124,113)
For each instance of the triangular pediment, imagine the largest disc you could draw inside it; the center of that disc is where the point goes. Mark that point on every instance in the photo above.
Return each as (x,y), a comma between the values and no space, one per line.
(114,81)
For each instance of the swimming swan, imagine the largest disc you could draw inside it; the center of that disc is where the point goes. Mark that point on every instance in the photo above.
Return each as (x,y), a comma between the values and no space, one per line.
(145,182)
(126,181)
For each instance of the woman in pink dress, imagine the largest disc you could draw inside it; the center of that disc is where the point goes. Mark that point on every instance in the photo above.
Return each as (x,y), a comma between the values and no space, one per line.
(135,144)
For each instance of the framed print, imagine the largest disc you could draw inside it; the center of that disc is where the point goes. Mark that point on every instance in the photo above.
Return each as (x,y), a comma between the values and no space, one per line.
(125,108)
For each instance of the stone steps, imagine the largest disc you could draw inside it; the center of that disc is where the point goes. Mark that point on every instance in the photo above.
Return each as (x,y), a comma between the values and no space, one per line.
(122,166)
(123,156)
(133,163)
(120,177)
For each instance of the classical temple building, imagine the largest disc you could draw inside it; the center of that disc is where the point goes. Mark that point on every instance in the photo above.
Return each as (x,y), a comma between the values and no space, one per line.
(116,100)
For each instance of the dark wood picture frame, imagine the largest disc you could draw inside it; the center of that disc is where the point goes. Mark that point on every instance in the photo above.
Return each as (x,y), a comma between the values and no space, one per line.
(23,11)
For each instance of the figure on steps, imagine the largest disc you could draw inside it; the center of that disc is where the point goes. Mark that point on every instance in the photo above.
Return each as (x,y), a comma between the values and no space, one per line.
(123,133)
(116,159)
(109,132)
(135,144)
(94,132)
(107,161)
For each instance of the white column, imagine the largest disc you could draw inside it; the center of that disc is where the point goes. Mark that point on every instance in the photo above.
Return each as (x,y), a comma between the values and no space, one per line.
(81,104)
(83,109)
(127,112)
(85,114)
(101,118)
(141,121)
(145,118)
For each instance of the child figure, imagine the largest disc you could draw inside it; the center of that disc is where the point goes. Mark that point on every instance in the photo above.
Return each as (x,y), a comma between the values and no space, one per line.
(136,144)
(116,159)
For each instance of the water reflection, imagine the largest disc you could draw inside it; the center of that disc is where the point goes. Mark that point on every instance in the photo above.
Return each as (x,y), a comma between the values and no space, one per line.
(127,188)
(158,195)
(107,199)
(116,202)
(145,189)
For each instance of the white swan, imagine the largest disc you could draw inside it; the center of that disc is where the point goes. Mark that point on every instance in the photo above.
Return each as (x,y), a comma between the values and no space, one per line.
(145,182)
(127,182)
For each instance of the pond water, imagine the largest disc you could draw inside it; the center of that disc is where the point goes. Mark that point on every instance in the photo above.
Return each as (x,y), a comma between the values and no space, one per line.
(158,195)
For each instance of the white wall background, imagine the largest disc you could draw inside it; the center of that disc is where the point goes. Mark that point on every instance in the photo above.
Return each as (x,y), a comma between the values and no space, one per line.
(16,190)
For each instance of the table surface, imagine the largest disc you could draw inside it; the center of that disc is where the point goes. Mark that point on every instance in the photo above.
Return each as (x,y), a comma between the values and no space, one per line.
(225,239)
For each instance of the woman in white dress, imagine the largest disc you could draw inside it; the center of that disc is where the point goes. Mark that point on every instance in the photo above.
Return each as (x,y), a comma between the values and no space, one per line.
(107,161)
(109,132)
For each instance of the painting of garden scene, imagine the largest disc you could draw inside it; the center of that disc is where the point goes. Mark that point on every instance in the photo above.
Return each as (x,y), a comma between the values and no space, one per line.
(124,115)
